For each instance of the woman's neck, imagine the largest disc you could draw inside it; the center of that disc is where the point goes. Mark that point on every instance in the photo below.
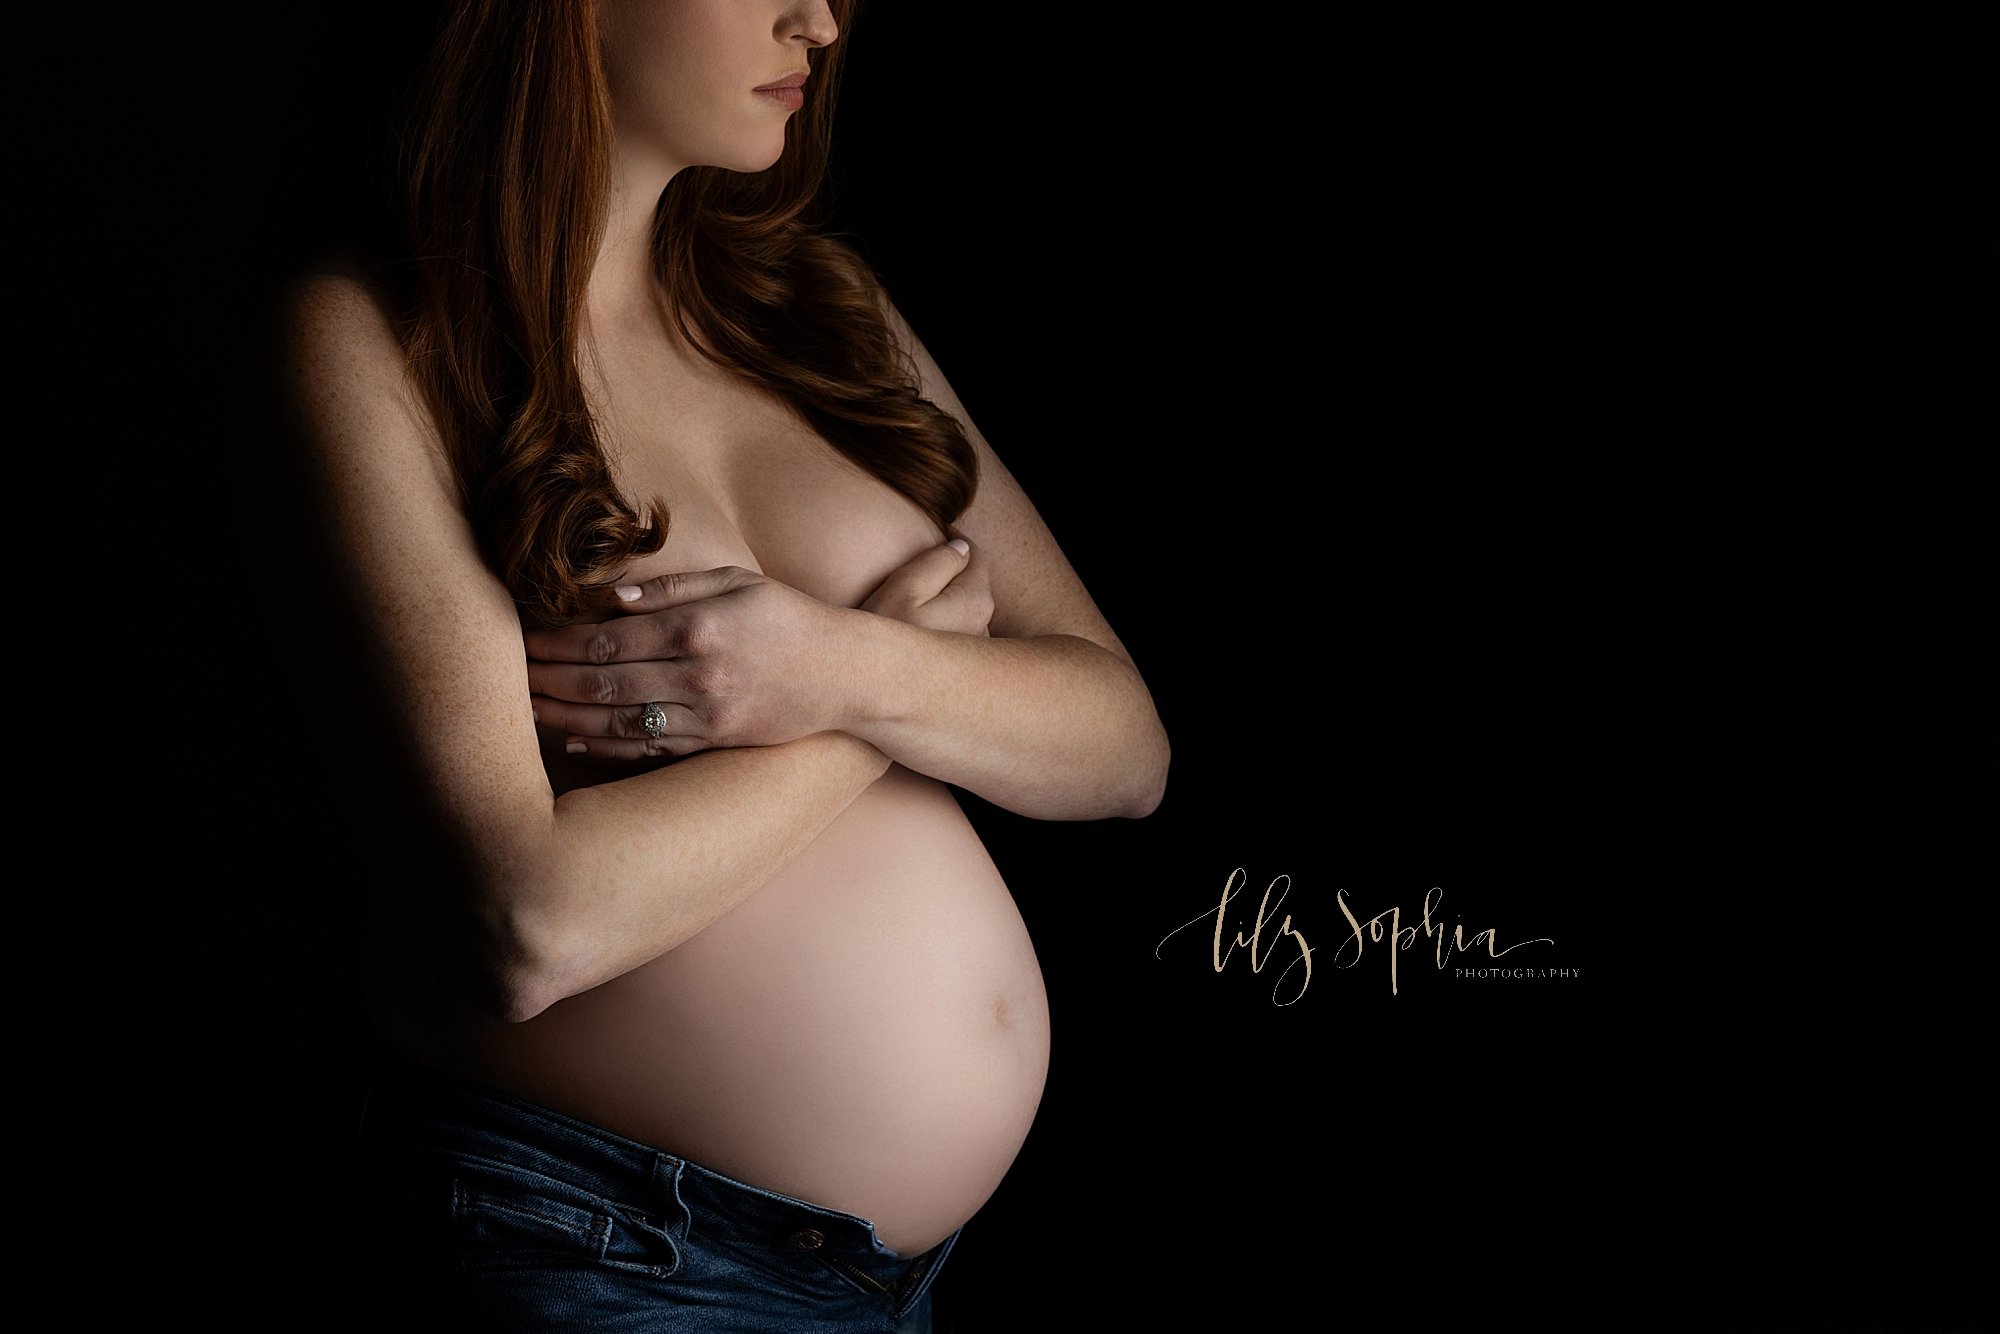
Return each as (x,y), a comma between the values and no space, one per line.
(624,286)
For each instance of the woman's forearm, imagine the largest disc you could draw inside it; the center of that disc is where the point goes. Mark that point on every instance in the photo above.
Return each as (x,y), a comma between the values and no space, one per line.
(633,868)
(1053,727)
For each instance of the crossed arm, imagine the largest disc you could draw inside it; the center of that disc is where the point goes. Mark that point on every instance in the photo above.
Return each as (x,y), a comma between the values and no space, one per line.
(375,582)
(1038,709)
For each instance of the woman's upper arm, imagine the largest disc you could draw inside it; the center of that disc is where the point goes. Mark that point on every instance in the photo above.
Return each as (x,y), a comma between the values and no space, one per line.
(1035,589)
(397,615)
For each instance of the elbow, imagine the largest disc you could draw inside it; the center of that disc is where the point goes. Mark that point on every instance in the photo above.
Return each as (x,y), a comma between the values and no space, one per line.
(1151,790)
(515,1003)
(526,958)
(1143,807)
(521,995)
(520,967)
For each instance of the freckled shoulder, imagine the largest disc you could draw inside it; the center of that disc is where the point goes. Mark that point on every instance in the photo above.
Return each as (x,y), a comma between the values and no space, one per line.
(343,372)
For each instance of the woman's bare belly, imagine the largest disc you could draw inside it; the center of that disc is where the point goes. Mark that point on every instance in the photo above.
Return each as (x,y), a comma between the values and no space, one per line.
(868,1032)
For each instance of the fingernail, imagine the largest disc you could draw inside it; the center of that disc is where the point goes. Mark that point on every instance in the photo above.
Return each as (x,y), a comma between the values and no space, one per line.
(628,592)
(536,712)
(960,545)
(576,748)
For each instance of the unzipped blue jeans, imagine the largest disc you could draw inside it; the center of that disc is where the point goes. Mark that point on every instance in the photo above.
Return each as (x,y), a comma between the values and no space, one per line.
(499,1214)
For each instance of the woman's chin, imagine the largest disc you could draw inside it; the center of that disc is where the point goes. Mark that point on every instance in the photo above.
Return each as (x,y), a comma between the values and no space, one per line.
(754,155)
(755,162)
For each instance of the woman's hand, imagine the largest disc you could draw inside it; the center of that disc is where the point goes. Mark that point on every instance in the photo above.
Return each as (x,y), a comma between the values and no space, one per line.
(732,658)
(944,588)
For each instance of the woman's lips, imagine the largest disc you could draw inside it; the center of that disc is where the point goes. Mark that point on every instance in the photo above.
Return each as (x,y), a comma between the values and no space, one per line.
(787,91)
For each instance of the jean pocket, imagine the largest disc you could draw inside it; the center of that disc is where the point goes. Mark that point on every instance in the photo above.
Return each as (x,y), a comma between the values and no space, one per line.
(506,1217)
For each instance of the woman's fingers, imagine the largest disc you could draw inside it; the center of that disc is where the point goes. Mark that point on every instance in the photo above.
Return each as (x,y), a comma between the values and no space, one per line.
(590,721)
(618,748)
(672,590)
(612,684)
(944,588)
(965,607)
(919,579)
(643,633)
(620,733)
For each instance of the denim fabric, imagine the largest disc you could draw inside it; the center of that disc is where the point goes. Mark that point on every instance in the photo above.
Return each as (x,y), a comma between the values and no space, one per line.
(498,1214)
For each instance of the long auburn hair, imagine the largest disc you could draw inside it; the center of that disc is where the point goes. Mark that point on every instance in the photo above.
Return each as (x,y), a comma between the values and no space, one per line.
(499,192)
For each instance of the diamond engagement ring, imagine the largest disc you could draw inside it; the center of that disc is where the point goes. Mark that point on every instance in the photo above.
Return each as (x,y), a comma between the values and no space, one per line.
(654,720)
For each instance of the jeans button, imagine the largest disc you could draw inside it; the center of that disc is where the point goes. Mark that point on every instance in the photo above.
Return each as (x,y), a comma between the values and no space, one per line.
(808,1239)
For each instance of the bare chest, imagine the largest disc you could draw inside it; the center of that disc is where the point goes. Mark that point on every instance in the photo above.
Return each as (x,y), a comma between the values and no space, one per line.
(745,480)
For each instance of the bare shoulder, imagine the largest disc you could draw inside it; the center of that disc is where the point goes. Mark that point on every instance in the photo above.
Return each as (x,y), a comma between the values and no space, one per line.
(905,337)
(342,374)
(340,461)
(929,379)
(335,329)
(339,308)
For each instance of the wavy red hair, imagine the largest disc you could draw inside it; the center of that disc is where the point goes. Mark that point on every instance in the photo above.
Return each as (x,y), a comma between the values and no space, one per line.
(499,191)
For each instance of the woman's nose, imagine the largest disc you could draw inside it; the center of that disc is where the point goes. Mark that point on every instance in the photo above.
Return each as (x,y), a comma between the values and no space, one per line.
(812,20)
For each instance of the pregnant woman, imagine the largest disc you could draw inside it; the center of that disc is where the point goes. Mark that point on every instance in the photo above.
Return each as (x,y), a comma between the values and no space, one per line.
(651,591)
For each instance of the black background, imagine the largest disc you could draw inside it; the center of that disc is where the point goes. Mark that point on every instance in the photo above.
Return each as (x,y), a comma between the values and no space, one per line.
(1358,372)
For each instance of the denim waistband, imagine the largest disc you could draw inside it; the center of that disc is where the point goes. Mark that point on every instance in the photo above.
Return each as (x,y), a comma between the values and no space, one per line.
(414,1108)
